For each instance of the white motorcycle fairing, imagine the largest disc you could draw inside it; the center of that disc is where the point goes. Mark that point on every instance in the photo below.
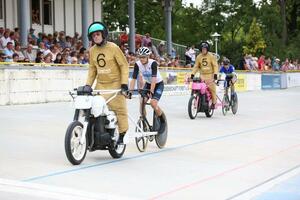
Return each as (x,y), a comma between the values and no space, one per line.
(97,104)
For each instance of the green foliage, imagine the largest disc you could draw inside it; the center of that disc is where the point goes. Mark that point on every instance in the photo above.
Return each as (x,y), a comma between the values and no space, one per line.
(255,43)
(233,19)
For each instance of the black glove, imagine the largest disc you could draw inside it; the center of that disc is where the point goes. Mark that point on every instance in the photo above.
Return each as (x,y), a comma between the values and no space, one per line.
(84,90)
(192,76)
(216,76)
(124,89)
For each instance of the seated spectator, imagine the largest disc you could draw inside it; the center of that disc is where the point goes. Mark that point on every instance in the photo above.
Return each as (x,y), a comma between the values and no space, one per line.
(276,64)
(48,58)
(2,57)
(261,63)
(68,43)
(1,31)
(64,59)
(29,54)
(4,40)
(54,51)
(73,55)
(268,65)
(58,58)
(19,52)
(286,65)
(15,57)
(74,60)
(9,51)
(31,34)
(39,57)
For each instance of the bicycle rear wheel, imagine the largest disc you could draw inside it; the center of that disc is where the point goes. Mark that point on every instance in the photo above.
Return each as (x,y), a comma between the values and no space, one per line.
(161,137)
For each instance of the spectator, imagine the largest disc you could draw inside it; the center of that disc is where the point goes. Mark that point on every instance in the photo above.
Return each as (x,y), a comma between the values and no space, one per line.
(55,40)
(4,40)
(268,64)
(16,35)
(28,53)
(74,60)
(161,49)
(242,64)
(192,53)
(40,38)
(58,58)
(19,52)
(9,51)
(39,57)
(248,62)
(261,63)
(68,43)
(153,49)
(48,58)
(286,65)
(1,32)
(131,59)
(254,64)
(64,59)
(146,40)
(138,41)
(15,57)
(54,51)
(276,64)
(123,38)
(31,34)
(188,58)
(61,39)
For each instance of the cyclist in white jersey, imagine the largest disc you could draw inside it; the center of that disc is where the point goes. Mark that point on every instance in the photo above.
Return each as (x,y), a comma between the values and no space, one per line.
(154,82)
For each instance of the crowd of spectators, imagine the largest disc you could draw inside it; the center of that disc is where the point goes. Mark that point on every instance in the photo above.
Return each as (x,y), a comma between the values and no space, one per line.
(263,63)
(42,48)
(158,52)
(59,48)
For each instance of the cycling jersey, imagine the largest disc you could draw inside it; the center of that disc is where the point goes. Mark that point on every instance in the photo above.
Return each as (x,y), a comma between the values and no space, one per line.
(148,71)
(227,71)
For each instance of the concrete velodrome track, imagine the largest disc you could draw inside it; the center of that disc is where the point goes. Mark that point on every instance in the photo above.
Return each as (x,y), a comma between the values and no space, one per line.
(252,155)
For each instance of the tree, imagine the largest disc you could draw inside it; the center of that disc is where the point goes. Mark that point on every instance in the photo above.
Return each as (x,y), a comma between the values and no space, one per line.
(255,42)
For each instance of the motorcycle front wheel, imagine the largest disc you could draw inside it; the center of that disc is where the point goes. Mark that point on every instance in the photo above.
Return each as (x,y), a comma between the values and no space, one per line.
(75,151)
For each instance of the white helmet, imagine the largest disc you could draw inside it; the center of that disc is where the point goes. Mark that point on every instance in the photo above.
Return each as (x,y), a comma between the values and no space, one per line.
(144,51)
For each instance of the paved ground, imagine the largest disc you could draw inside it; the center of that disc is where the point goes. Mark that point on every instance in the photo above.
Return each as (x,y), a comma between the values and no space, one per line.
(252,155)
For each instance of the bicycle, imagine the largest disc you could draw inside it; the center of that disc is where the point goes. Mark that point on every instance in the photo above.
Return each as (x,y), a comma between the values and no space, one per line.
(229,102)
(148,132)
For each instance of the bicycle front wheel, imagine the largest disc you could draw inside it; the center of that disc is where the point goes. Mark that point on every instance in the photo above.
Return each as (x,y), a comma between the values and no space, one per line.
(141,142)
(193,107)
(225,104)
(234,104)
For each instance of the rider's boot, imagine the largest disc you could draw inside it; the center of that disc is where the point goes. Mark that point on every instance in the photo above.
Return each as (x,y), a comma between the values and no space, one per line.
(120,139)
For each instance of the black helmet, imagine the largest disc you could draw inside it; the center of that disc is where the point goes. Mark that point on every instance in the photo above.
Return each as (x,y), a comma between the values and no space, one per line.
(98,26)
(226,61)
(204,45)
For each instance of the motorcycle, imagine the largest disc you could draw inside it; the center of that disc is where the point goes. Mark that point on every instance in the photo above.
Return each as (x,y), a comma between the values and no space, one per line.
(94,126)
